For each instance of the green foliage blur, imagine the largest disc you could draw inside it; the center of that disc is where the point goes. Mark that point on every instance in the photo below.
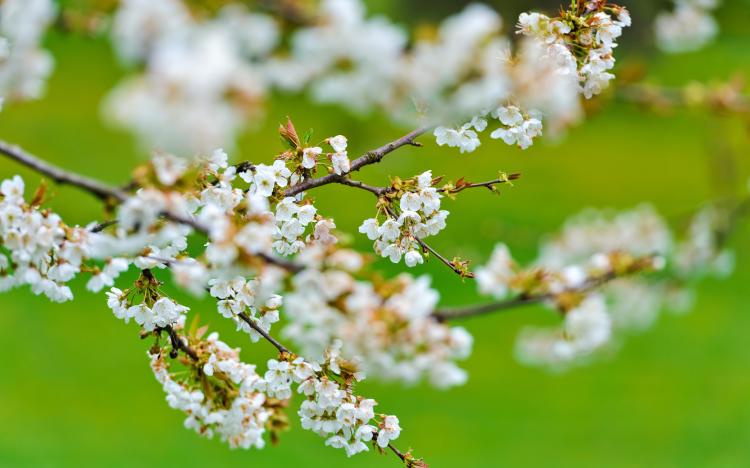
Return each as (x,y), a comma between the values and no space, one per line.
(76,389)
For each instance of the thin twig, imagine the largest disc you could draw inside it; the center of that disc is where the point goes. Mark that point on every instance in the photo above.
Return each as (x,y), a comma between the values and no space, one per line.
(398,452)
(426,247)
(371,157)
(450,264)
(489,184)
(245,318)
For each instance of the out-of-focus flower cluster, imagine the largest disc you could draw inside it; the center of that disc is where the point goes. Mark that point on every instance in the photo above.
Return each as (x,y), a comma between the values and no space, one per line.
(585,273)
(204,76)
(687,27)
(201,80)
(561,57)
(201,74)
(24,66)
(581,41)
(386,324)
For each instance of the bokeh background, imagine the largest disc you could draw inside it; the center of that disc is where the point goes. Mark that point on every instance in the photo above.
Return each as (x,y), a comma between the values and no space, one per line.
(76,389)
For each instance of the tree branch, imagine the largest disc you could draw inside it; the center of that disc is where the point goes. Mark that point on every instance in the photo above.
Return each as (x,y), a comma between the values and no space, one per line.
(726,98)
(60,175)
(371,157)
(377,191)
(456,313)
(104,192)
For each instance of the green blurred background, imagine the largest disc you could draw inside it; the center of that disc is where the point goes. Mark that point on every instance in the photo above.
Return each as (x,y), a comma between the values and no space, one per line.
(76,389)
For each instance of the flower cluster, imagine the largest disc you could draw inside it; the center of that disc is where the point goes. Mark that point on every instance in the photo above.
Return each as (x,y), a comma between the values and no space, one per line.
(42,251)
(572,51)
(242,221)
(340,163)
(244,224)
(331,409)
(240,296)
(639,232)
(581,40)
(223,397)
(387,325)
(689,26)
(24,66)
(345,58)
(417,215)
(466,68)
(465,137)
(516,128)
(292,220)
(146,306)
